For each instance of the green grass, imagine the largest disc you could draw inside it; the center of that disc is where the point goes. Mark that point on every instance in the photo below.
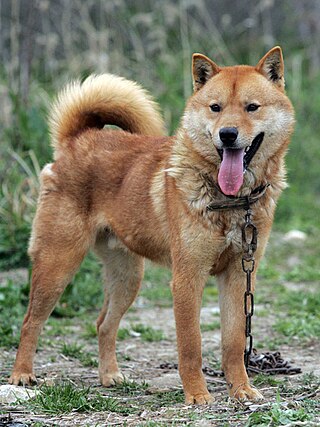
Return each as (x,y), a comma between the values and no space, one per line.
(264,380)
(75,351)
(278,415)
(65,398)
(13,303)
(168,398)
(147,333)
(302,316)
(123,334)
(90,330)
(156,287)
(131,387)
(205,327)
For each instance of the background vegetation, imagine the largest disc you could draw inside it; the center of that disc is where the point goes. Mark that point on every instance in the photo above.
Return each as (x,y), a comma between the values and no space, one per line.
(43,44)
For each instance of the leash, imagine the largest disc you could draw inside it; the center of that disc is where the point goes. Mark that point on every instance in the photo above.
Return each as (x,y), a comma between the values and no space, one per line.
(249,234)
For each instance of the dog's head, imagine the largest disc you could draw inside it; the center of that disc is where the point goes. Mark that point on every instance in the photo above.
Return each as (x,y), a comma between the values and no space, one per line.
(239,117)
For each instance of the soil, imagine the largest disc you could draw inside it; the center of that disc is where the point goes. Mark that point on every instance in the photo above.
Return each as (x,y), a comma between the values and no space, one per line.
(140,361)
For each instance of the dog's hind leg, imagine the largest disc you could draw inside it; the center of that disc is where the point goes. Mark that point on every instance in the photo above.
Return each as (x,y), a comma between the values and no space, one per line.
(123,275)
(59,242)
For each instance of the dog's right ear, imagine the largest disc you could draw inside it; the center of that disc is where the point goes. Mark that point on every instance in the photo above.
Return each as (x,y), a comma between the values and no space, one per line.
(202,70)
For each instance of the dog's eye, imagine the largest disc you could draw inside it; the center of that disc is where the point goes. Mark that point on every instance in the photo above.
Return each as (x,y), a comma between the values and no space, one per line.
(215,108)
(252,107)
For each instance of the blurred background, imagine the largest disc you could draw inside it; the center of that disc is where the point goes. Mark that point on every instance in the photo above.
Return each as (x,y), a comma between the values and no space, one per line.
(44,44)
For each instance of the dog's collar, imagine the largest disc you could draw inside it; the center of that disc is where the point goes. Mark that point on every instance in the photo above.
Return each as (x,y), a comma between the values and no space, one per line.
(238,202)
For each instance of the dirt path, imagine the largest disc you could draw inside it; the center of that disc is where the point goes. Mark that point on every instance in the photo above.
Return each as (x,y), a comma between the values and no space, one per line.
(157,398)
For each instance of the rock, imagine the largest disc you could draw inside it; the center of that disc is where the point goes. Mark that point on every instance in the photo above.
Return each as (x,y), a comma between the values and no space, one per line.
(295,236)
(165,382)
(11,393)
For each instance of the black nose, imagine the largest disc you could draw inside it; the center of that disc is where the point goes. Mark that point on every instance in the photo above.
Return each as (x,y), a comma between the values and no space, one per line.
(228,136)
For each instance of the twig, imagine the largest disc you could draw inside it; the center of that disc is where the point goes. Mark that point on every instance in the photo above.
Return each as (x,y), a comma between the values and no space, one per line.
(306,396)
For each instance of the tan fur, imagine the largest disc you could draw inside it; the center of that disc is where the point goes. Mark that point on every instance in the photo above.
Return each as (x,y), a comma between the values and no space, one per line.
(131,197)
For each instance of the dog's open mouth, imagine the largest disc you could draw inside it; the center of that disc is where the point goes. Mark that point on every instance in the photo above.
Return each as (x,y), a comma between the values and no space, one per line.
(234,163)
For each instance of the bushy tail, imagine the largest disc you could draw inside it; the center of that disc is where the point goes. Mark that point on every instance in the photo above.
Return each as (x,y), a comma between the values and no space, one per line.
(100,100)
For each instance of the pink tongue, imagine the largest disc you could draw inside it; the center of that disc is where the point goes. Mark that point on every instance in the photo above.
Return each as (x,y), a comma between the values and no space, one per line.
(230,175)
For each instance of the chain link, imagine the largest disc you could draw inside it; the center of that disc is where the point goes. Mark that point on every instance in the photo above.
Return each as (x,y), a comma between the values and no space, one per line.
(249,246)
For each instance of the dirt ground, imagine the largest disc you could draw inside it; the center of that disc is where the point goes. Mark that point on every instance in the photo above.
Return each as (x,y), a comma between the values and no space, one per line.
(141,362)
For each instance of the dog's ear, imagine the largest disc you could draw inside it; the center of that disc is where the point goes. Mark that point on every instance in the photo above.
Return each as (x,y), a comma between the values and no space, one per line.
(272,67)
(202,70)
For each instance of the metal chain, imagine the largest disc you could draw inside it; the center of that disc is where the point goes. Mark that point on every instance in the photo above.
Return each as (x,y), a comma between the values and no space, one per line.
(249,246)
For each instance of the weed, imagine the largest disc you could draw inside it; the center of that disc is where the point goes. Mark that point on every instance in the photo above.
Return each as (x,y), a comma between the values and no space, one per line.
(131,388)
(168,398)
(263,379)
(66,397)
(71,350)
(13,300)
(90,330)
(305,327)
(85,291)
(205,327)
(302,315)
(18,194)
(147,333)
(156,287)
(277,415)
(75,351)
(210,292)
(123,334)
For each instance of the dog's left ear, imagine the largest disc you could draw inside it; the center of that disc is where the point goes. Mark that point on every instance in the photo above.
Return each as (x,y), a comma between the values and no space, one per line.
(272,67)
(202,70)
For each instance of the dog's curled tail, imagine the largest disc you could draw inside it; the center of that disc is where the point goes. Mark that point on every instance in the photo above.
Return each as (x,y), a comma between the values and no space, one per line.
(100,100)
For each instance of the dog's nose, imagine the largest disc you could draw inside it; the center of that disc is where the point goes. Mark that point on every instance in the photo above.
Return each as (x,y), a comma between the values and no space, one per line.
(228,136)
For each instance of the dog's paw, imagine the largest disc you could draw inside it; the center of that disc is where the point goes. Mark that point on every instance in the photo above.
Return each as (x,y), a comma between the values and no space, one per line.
(111,379)
(19,378)
(245,392)
(199,399)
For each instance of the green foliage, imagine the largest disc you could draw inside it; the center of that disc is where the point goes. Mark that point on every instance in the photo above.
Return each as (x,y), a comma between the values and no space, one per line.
(131,388)
(123,334)
(205,327)
(29,130)
(302,317)
(147,333)
(156,287)
(65,397)
(169,398)
(18,194)
(263,380)
(85,292)
(75,351)
(277,416)
(13,302)
(303,327)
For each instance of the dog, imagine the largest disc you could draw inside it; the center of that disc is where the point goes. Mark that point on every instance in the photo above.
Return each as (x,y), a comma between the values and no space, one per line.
(135,193)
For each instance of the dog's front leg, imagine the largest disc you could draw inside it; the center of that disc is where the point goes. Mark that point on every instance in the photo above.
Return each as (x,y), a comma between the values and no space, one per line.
(187,290)
(232,285)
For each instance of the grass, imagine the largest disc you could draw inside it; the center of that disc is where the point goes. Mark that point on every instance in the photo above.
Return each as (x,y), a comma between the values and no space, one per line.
(147,333)
(66,397)
(13,301)
(131,387)
(206,327)
(302,317)
(168,398)
(278,416)
(75,351)
(123,334)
